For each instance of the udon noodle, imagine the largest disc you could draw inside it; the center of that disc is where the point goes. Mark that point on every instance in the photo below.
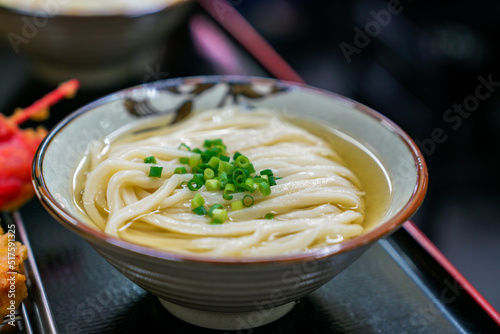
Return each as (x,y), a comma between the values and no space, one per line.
(316,200)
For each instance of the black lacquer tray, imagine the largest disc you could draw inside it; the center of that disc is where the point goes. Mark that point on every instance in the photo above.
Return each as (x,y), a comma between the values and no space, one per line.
(400,285)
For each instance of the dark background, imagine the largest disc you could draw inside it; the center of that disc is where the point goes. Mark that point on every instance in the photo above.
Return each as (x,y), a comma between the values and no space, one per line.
(420,62)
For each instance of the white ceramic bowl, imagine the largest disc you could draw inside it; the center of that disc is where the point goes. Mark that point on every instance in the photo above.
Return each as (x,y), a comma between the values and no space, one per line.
(99,47)
(226,293)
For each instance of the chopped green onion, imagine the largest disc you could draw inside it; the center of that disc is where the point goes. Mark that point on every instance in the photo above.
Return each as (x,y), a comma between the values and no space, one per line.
(208,174)
(155,171)
(242,161)
(251,183)
(245,187)
(237,205)
(180,170)
(223,179)
(197,201)
(272,181)
(203,166)
(200,210)
(225,166)
(215,142)
(220,149)
(195,184)
(264,188)
(250,169)
(267,172)
(214,207)
(150,160)
(248,201)
(213,168)
(194,160)
(213,185)
(184,147)
(214,162)
(220,214)
(269,216)
(239,176)
(229,189)
(208,143)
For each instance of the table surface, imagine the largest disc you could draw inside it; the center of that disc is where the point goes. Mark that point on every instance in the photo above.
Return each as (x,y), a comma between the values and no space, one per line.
(395,287)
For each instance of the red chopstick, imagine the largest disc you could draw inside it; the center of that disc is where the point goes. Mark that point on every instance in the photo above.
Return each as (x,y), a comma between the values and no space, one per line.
(228,17)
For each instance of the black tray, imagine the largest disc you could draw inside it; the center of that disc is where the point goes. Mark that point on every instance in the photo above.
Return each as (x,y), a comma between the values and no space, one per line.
(397,286)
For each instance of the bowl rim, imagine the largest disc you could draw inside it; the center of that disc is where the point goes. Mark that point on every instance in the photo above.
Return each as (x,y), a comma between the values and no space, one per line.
(93,16)
(94,236)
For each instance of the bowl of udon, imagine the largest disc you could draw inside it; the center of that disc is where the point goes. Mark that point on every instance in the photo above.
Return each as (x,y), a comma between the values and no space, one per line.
(101,43)
(227,197)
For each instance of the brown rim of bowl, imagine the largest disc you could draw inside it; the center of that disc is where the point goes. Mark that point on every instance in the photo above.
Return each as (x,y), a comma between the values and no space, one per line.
(95,236)
(118,15)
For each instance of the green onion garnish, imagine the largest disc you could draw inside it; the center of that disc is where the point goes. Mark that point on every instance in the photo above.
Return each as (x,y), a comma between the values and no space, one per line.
(194,160)
(214,207)
(184,147)
(239,176)
(219,214)
(264,188)
(208,174)
(267,172)
(272,181)
(242,161)
(211,167)
(213,185)
(250,169)
(229,189)
(237,205)
(251,183)
(150,160)
(248,201)
(195,184)
(155,171)
(213,162)
(200,210)
(223,179)
(180,170)
(245,187)
(225,166)
(197,201)
(269,216)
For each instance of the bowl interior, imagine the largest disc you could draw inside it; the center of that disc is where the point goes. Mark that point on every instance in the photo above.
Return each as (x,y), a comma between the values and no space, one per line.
(401,161)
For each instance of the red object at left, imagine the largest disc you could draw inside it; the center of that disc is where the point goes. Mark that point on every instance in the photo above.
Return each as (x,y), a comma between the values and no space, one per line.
(18,146)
